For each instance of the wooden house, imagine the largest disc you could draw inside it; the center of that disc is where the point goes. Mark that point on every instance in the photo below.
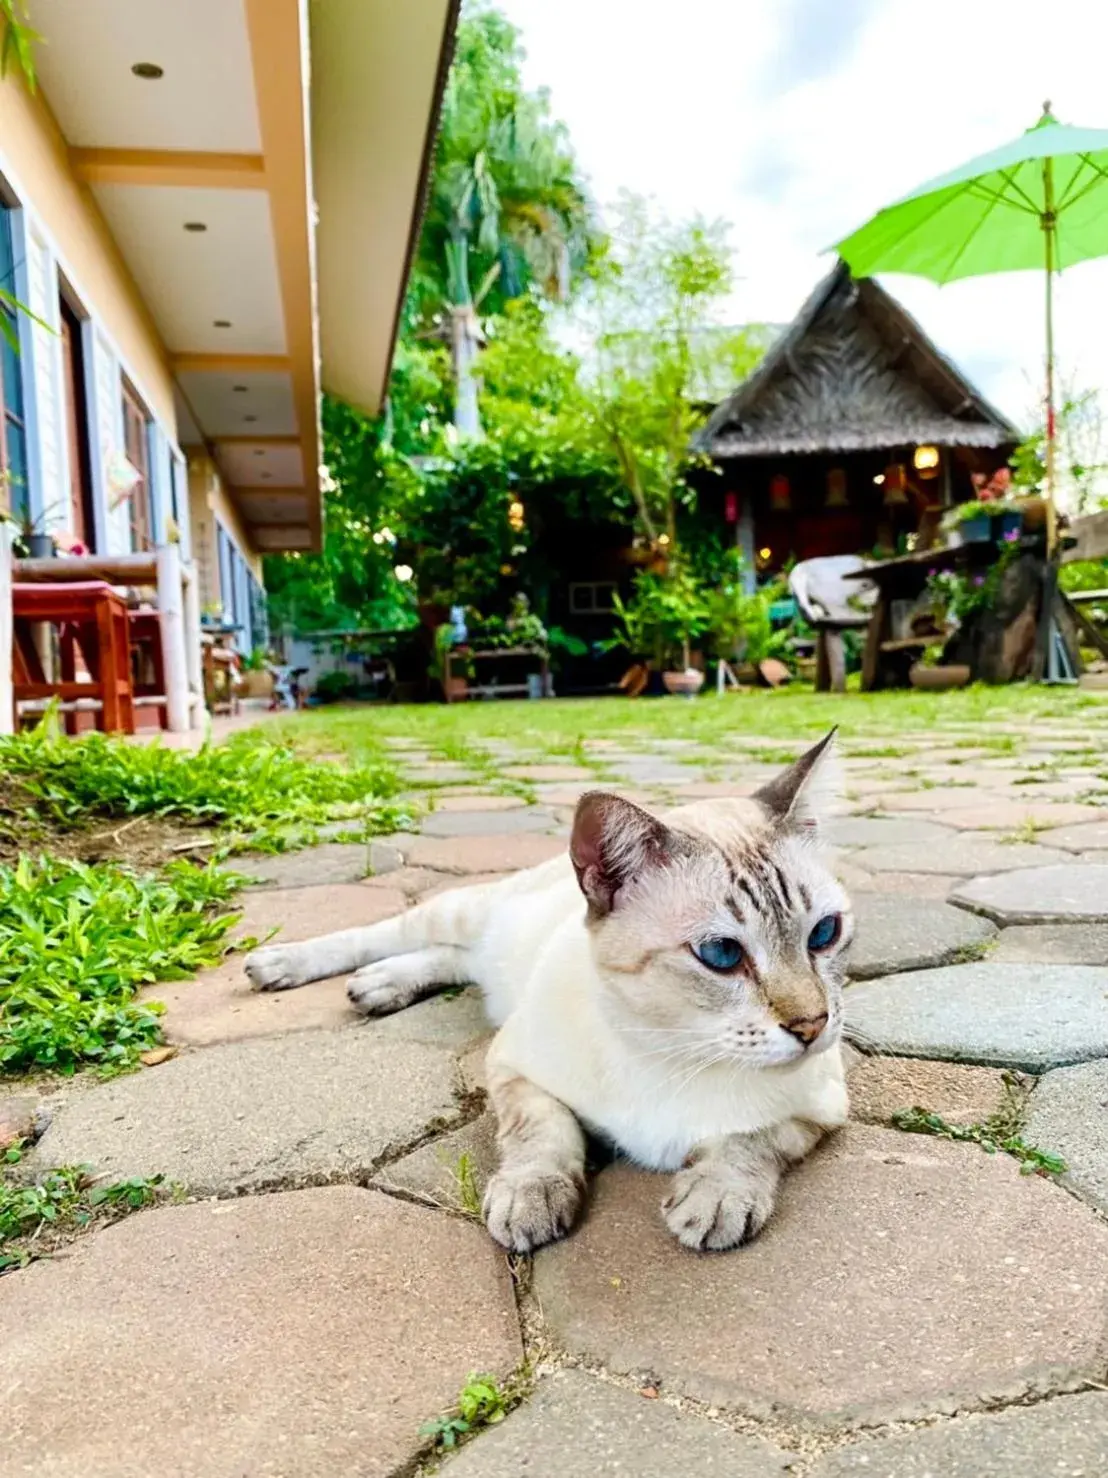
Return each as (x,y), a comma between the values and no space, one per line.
(851,436)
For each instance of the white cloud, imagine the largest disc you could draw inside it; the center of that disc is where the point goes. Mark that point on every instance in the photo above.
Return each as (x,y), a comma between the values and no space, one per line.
(757,112)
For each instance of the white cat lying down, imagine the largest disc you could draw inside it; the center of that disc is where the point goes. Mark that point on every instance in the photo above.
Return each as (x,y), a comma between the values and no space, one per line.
(688,1008)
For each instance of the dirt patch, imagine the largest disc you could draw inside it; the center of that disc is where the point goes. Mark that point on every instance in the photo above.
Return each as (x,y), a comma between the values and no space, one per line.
(138,841)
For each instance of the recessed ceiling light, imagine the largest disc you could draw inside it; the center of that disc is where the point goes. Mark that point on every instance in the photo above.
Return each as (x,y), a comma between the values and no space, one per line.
(249,418)
(240,389)
(221,323)
(148,71)
(195,226)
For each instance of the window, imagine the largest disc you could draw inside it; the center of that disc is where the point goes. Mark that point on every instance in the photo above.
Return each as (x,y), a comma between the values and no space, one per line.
(83,521)
(14,493)
(592,598)
(136,445)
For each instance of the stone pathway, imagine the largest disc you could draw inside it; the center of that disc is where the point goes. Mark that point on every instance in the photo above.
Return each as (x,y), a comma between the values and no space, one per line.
(916,1307)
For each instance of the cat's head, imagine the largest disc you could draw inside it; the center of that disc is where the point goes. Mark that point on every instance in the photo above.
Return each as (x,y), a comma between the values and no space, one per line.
(720,932)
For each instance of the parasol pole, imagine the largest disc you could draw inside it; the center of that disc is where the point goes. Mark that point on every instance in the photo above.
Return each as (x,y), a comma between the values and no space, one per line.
(1050,227)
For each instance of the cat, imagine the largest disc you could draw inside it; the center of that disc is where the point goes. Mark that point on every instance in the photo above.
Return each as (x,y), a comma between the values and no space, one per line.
(673,985)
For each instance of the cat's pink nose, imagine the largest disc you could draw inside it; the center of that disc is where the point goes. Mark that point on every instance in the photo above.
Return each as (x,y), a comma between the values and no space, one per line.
(806,1028)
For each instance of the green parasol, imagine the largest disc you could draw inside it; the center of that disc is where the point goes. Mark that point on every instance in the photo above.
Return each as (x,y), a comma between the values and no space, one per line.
(1040,201)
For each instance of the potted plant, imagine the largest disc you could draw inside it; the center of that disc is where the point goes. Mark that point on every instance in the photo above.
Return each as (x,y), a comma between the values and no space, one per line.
(455,686)
(31,541)
(256,680)
(968,523)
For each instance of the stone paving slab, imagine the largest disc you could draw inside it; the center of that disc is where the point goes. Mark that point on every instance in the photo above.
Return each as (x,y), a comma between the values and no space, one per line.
(1091,836)
(242,1116)
(882,1086)
(576,1425)
(863,1300)
(433,1170)
(907,934)
(1052,944)
(220,1006)
(549,772)
(331,862)
(935,799)
(1014,815)
(917,885)
(456,1020)
(969,856)
(412,882)
(1031,1017)
(1066,1438)
(874,831)
(479,802)
(309,1334)
(486,823)
(1069,1116)
(1069,891)
(482,854)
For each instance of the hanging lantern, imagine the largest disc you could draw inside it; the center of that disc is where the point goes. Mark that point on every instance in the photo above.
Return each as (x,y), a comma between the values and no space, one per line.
(926,462)
(731,508)
(836,488)
(896,484)
(780,494)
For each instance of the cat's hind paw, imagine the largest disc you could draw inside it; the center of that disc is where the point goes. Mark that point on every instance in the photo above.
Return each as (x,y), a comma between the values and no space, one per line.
(714,1207)
(524,1211)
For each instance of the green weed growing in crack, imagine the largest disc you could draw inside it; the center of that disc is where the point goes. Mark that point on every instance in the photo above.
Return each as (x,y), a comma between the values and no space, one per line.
(482,1402)
(35,1216)
(464,1176)
(1002,1130)
(979,949)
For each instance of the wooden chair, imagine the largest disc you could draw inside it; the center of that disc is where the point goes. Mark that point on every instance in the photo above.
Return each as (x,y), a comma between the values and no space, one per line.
(92,629)
(829,603)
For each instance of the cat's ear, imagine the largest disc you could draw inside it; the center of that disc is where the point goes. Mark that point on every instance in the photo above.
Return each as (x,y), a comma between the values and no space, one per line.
(803,795)
(612,843)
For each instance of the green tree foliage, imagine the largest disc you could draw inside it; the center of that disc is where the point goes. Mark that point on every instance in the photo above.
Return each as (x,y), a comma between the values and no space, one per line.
(507,212)
(652,316)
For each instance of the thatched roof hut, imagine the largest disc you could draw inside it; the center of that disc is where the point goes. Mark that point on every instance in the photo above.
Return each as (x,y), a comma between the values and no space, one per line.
(850,436)
(853,372)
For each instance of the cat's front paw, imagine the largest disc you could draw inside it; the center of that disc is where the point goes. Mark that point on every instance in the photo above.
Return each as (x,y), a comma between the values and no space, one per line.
(526,1210)
(277,967)
(713,1207)
(375,990)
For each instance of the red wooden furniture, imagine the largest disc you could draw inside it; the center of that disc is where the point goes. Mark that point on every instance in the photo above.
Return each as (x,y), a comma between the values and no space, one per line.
(148,664)
(92,624)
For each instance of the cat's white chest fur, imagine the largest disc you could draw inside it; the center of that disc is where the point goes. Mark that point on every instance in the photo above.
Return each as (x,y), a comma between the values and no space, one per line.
(534,963)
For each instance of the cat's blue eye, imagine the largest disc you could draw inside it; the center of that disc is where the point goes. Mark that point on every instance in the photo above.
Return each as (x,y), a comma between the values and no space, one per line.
(719,954)
(825,933)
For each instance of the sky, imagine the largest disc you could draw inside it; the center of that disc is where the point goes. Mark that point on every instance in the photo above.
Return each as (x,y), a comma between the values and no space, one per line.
(795,120)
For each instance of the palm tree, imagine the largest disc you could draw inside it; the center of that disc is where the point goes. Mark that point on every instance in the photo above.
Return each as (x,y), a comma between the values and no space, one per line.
(506,212)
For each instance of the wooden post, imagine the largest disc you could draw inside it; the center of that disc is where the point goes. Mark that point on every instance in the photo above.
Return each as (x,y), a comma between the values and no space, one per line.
(193,656)
(7,695)
(174,650)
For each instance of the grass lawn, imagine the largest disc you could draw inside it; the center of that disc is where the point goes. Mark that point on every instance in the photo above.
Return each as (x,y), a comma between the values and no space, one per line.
(564,727)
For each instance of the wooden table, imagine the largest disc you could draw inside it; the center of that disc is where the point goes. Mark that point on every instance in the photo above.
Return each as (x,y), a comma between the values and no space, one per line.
(997,644)
(92,623)
(494,690)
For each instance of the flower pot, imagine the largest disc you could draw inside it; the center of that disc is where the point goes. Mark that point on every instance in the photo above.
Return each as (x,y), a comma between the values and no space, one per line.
(686,684)
(1033,512)
(977,530)
(256,683)
(40,546)
(1007,525)
(936,679)
(455,688)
